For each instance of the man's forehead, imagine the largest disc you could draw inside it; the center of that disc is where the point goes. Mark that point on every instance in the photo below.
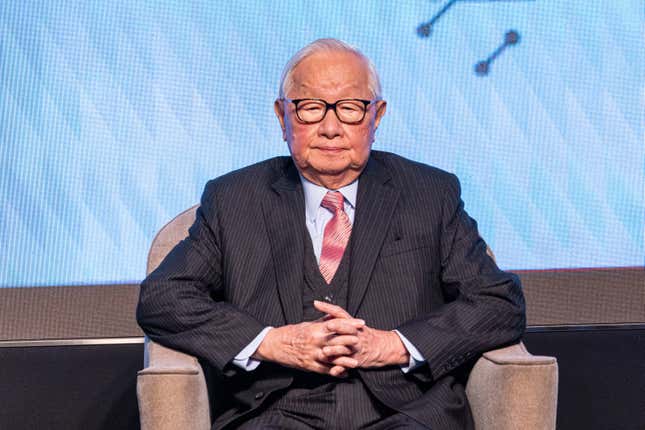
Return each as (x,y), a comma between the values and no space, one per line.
(333,61)
(312,85)
(338,70)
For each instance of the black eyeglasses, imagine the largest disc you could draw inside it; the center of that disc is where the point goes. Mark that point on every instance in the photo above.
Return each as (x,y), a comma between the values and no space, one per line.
(348,111)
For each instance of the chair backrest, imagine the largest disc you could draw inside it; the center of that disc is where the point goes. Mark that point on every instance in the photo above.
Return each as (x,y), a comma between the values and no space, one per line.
(169,236)
(177,229)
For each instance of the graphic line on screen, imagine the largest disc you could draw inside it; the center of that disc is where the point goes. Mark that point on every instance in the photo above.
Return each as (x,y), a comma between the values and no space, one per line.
(511,38)
(425,29)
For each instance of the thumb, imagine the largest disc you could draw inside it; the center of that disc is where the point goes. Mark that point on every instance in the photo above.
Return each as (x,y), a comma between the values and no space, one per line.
(333,310)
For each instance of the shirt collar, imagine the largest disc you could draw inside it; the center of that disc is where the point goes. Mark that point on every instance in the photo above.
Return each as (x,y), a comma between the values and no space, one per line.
(315,193)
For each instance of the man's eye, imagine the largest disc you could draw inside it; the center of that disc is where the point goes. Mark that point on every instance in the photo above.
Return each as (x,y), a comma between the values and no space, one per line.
(350,107)
(311,108)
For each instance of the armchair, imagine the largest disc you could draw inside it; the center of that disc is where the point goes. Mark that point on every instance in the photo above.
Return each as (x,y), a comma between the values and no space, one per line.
(508,388)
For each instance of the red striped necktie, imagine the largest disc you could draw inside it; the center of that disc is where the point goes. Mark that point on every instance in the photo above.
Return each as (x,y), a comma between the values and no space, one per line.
(337,232)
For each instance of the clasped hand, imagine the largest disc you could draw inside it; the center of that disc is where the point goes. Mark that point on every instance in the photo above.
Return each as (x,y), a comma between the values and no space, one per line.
(332,344)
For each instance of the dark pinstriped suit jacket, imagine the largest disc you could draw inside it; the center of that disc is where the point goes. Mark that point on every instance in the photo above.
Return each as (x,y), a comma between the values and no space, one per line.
(417,265)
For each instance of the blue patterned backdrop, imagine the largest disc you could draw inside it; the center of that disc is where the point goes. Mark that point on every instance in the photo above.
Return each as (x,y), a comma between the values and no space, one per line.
(113,115)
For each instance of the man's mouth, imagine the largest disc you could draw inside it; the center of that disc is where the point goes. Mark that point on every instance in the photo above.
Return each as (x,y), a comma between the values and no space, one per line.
(330,148)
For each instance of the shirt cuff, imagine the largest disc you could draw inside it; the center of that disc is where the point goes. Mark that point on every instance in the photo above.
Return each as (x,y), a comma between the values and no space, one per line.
(416,358)
(243,359)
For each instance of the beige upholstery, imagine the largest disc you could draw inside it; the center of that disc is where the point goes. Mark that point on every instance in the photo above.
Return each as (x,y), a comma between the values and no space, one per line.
(508,388)
(169,235)
(172,391)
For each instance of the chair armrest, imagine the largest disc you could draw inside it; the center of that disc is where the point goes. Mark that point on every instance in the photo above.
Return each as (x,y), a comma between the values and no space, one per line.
(158,359)
(509,389)
(171,391)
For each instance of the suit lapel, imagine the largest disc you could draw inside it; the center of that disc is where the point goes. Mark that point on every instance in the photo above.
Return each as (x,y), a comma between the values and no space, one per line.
(284,214)
(375,204)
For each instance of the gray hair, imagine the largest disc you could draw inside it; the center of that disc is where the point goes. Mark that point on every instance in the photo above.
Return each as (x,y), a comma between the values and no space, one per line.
(328,45)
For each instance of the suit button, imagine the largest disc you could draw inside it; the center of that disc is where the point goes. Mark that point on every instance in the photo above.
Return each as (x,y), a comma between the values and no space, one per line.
(259,395)
(328,299)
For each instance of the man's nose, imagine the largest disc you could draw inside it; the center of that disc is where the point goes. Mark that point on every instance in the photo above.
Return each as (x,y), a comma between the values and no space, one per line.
(330,126)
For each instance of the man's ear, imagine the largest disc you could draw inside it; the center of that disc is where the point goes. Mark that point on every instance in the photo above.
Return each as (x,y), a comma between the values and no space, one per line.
(278,107)
(381,107)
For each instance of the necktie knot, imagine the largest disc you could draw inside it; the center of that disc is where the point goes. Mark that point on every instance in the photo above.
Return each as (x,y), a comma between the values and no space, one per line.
(334,201)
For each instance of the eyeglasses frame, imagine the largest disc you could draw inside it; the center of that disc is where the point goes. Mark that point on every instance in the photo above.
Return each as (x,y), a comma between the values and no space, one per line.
(331,106)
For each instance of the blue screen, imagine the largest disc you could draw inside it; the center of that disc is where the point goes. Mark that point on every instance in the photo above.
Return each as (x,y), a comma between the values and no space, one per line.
(113,115)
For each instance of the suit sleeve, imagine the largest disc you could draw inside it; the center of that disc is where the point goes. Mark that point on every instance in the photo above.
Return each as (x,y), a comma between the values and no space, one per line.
(181,303)
(484,306)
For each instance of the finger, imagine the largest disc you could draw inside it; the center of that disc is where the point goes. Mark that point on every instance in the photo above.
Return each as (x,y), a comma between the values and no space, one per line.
(323,358)
(331,351)
(333,310)
(338,371)
(318,367)
(344,326)
(337,326)
(345,340)
(318,362)
(346,362)
(323,318)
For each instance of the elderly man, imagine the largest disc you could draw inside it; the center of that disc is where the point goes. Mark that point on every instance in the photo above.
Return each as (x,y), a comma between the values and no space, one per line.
(338,288)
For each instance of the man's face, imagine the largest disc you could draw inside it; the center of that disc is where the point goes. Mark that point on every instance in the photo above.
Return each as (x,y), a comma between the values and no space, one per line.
(330,153)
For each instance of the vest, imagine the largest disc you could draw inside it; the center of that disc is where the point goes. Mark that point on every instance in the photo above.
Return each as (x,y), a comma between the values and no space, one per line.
(323,401)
